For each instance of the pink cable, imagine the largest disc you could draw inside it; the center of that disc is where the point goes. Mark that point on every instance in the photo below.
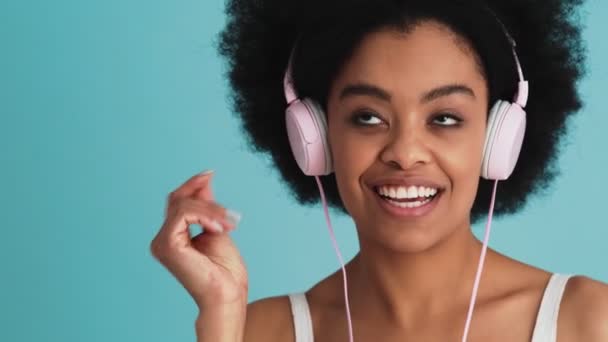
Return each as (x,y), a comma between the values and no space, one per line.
(477,276)
(335,243)
(480,266)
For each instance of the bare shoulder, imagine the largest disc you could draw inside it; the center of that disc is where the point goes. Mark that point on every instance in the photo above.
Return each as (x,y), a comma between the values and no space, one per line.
(269,319)
(585,303)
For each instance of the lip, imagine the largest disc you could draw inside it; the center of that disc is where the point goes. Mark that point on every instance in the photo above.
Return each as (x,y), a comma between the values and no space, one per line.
(408,212)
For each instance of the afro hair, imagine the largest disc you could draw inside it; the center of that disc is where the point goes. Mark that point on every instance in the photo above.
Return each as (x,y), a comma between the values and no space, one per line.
(260,35)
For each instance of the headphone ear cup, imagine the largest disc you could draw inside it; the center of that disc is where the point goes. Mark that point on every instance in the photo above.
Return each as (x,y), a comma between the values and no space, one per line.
(504,138)
(307,133)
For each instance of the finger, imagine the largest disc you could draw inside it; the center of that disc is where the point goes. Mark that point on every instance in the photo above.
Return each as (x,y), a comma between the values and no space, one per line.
(211,215)
(210,225)
(228,218)
(212,209)
(175,235)
(192,185)
(205,192)
(188,189)
(219,215)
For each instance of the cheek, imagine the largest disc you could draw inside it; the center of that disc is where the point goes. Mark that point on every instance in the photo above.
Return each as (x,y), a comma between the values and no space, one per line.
(463,166)
(352,156)
(464,159)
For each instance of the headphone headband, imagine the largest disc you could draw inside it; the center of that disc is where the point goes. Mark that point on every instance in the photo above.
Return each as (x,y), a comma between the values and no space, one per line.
(288,88)
(521,96)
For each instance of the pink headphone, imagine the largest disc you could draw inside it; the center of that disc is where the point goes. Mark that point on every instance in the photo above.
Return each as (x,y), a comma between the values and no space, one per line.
(307,131)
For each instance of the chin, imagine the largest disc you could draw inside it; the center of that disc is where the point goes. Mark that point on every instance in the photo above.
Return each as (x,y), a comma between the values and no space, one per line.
(400,237)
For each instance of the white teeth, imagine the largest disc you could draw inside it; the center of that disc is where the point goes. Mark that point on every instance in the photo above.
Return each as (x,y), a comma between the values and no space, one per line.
(422,191)
(409,204)
(392,192)
(402,192)
(412,192)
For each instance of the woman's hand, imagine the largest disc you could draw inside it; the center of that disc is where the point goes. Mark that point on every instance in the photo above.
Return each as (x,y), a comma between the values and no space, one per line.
(208,265)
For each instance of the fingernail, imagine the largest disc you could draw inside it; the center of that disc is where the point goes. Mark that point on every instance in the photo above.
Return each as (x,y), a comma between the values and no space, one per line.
(216,226)
(233,216)
(206,172)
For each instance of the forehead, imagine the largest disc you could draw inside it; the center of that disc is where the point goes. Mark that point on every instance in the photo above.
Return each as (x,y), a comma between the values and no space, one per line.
(427,56)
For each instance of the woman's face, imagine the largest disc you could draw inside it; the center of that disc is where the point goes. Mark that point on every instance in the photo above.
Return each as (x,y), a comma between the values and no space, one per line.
(408,110)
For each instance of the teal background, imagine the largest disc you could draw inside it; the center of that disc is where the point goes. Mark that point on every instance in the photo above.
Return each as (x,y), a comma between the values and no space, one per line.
(107,106)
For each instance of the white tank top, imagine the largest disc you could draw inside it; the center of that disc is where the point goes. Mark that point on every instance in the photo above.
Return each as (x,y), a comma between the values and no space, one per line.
(545,329)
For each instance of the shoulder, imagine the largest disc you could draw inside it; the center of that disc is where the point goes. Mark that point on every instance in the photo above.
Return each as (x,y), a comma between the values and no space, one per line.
(586,314)
(269,319)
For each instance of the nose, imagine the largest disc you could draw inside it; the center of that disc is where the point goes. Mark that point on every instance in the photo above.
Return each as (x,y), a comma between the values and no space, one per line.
(407,146)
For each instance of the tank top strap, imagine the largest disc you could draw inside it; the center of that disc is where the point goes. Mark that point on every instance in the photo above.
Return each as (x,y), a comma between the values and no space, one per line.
(302,321)
(545,329)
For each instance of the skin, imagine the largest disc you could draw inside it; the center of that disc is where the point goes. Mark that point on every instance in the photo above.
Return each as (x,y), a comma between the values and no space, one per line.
(412,278)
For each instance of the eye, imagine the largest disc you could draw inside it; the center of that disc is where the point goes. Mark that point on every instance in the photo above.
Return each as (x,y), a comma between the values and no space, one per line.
(366,119)
(447,120)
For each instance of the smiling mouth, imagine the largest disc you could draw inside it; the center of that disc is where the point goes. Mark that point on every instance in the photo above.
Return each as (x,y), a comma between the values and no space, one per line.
(407,197)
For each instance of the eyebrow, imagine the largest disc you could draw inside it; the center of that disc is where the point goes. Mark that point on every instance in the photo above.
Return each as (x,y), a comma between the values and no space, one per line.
(366,90)
(379,93)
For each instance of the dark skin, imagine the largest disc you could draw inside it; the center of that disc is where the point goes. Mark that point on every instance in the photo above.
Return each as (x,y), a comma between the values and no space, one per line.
(415,104)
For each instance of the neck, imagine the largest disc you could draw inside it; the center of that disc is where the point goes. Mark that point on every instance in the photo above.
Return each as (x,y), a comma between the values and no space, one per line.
(421,284)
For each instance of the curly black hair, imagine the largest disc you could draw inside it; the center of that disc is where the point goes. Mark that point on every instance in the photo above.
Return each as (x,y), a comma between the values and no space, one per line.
(260,35)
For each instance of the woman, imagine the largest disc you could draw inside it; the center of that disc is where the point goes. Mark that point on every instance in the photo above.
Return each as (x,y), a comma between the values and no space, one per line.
(405,87)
